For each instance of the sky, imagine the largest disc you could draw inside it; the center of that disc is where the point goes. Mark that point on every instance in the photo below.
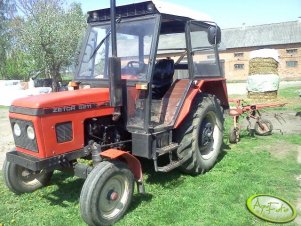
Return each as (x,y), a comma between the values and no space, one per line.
(226,13)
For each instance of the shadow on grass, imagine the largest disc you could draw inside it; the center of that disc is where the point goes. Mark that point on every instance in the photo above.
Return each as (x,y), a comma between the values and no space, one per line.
(166,180)
(65,189)
(174,178)
(68,189)
(138,199)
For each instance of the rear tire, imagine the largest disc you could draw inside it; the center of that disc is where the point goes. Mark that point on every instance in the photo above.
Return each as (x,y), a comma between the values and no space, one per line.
(106,194)
(267,127)
(21,180)
(200,135)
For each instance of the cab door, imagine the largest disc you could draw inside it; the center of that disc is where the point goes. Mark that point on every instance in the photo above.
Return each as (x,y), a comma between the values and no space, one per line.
(203,41)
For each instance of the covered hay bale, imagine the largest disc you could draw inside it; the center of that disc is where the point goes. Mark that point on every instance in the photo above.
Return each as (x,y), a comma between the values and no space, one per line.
(263,86)
(263,80)
(263,83)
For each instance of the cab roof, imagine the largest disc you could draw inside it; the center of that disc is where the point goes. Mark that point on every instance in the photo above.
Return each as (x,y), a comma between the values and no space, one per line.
(140,8)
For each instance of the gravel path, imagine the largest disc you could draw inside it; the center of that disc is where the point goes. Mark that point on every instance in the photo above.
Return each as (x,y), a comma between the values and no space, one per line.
(6,137)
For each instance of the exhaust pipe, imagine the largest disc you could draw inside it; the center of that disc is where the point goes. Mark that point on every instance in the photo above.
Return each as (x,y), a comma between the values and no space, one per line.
(115,68)
(113,28)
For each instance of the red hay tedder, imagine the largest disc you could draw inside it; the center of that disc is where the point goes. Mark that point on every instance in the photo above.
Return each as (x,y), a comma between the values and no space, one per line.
(260,126)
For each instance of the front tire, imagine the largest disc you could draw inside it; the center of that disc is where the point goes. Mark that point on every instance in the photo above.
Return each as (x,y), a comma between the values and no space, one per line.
(106,194)
(201,135)
(21,180)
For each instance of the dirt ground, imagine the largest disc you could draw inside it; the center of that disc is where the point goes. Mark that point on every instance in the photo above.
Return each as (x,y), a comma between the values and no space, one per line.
(283,122)
(6,137)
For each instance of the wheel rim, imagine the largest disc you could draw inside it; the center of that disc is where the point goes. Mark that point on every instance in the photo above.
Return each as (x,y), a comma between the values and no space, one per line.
(208,135)
(113,197)
(29,177)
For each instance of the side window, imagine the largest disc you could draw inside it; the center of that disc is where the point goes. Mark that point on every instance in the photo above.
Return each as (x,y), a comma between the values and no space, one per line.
(203,66)
(173,46)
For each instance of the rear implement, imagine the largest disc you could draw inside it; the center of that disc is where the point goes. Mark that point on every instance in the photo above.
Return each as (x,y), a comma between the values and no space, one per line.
(257,124)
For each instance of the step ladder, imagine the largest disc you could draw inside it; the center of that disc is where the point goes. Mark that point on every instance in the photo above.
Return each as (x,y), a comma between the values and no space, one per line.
(169,149)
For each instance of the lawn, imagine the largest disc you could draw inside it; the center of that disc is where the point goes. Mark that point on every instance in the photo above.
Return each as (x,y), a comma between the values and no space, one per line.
(215,198)
(259,165)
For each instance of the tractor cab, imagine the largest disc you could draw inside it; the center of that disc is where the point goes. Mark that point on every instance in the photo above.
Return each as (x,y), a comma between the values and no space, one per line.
(163,57)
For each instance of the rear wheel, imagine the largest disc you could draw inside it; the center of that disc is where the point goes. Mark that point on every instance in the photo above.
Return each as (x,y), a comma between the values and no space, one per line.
(20,180)
(106,194)
(201,134)
(264,127)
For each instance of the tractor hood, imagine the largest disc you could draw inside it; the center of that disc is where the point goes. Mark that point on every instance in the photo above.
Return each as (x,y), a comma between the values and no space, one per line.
(61,101)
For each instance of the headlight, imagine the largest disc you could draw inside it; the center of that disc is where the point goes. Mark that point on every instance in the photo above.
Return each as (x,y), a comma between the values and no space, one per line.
(30,132)
(17,129)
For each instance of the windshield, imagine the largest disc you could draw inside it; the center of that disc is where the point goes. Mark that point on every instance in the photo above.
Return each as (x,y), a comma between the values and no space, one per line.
(134,40)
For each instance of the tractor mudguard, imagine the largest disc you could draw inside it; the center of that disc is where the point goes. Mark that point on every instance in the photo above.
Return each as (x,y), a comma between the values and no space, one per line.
(216,87)
(132,162)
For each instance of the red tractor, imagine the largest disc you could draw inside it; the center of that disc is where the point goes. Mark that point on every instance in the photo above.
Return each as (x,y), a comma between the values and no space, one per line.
(161,96)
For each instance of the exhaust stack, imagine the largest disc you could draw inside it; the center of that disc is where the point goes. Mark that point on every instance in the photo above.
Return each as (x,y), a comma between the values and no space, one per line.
(115,66)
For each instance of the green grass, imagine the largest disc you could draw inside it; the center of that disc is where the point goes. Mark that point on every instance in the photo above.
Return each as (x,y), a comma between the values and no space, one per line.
(215,198)
(290,92)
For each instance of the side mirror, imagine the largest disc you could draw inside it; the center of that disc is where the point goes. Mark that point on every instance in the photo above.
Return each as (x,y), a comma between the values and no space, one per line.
(214,35)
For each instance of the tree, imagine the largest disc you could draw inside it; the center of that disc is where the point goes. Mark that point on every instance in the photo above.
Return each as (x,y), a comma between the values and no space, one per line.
(7,10)
(50,34)
(18,63)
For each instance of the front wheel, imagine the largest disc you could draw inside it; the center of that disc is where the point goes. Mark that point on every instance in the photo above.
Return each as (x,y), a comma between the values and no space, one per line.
(21,180)
(201,135)
(106,194)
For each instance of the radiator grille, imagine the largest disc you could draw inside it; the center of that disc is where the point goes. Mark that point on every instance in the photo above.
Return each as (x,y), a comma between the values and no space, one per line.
(23,141)
(64,132)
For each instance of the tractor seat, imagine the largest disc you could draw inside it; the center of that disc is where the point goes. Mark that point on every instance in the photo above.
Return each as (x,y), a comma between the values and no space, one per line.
(163,77)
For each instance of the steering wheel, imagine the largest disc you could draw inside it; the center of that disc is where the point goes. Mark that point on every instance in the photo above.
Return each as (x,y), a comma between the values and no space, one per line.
(131,64)
(135,67)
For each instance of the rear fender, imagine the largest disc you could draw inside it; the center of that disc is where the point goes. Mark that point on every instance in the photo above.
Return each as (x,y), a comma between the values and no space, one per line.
(216,87)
